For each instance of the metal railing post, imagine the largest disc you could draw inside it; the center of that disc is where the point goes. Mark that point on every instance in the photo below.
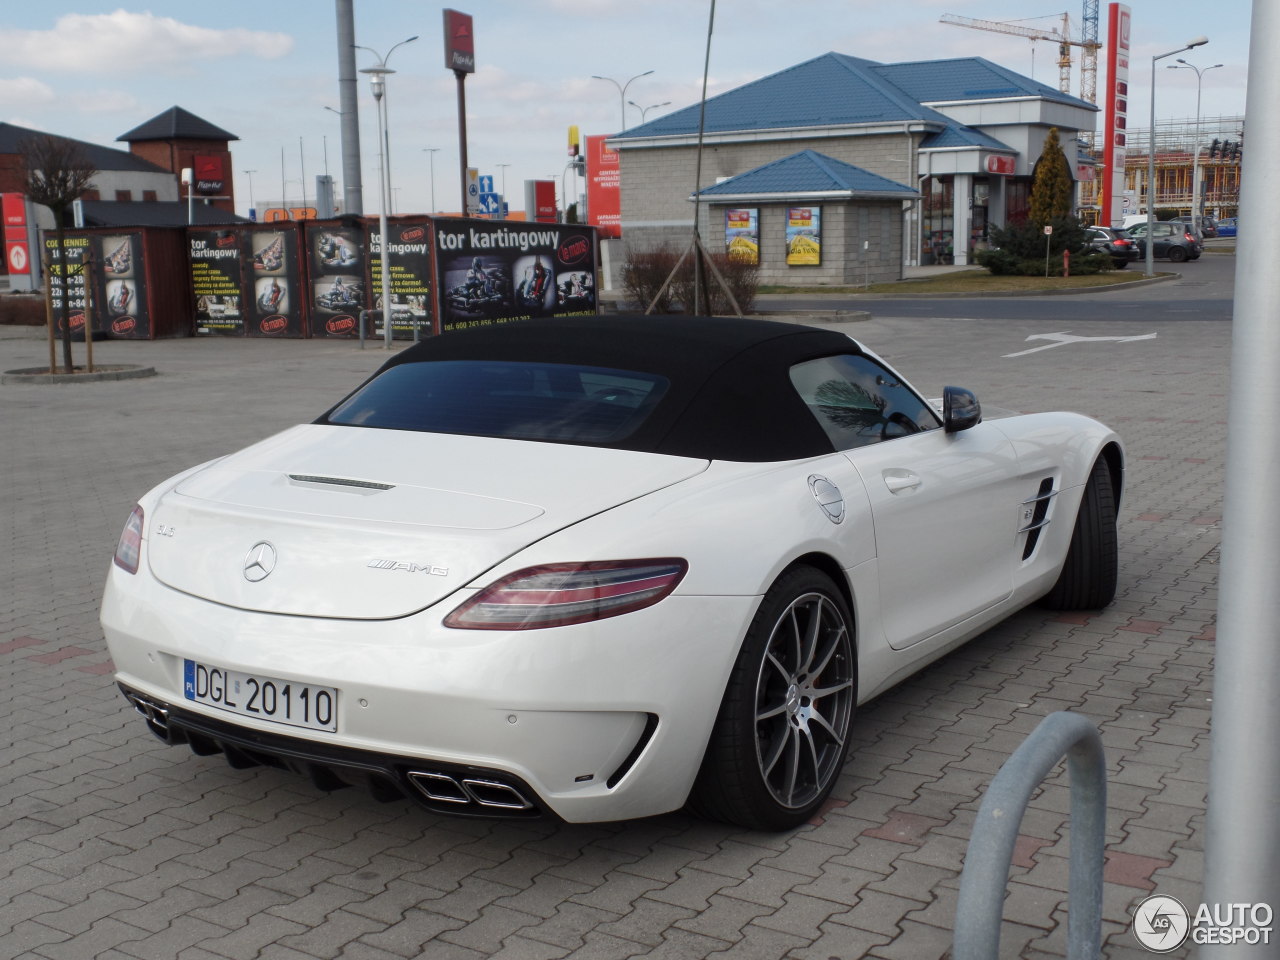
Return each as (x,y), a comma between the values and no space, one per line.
(985,877)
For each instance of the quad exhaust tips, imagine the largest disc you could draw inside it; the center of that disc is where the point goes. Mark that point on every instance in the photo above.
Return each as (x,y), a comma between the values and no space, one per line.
(443,788)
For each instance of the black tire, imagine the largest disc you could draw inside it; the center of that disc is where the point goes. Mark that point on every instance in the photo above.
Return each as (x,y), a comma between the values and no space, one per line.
(781,737)
(1177,254)
(1120,264)
(1088,578)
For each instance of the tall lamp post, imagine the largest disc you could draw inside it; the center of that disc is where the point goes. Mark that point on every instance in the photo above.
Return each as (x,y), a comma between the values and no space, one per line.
(1197,202)
(431,162)
(382,66)
(249,174)
(1151,159)
(644,111)
(622,91)
(378,84)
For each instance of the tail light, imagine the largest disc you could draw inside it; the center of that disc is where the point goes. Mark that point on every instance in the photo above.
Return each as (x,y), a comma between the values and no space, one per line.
(129,549)
(1189,238)
(559,594)
(1123,243)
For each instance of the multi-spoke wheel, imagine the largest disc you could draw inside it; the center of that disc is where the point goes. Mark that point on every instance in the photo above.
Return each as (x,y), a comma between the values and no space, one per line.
(781,737)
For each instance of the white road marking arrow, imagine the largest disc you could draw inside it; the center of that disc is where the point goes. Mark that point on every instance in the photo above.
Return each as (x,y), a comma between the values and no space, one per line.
(1063,338)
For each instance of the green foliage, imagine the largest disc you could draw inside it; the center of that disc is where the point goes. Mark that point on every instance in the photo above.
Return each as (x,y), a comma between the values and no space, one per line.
(1052,187)
(1019,250)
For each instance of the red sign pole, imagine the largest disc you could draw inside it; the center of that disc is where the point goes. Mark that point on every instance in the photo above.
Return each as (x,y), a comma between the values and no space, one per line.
(460,57)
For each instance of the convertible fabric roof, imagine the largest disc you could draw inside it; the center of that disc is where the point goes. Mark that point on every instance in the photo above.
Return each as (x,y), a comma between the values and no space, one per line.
(730,394)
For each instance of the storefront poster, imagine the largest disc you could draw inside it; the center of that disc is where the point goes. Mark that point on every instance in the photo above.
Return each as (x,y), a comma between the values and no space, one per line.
(121,306)
(604,188)
(273,286)
(216,282)
(804,236)
(409,256)
(496,272)
(742,234)
(337,272)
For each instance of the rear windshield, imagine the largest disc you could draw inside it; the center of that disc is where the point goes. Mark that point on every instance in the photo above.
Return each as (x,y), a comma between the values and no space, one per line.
(523,401)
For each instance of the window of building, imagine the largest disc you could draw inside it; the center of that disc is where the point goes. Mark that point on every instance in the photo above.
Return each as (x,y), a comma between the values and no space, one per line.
(149,196)
(938,223)
(124,196)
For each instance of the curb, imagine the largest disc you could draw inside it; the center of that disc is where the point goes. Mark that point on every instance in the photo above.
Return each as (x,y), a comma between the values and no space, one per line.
(104,373)
(987,295)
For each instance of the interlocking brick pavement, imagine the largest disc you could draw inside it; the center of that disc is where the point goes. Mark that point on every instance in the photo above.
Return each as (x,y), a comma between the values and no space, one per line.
(116,846)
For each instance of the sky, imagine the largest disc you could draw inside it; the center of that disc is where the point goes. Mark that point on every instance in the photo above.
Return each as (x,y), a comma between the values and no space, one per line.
(266,70)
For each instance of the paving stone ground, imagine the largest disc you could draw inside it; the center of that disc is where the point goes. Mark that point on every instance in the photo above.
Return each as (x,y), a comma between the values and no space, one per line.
(117,847)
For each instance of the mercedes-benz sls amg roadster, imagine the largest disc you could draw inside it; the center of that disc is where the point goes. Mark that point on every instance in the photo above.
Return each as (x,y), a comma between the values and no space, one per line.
(598,568)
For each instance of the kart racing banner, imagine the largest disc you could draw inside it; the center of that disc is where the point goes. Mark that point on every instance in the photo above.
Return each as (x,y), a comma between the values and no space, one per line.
(121,303)
(216,282)
(497,271)
(336,268)
(272,283)
(409,263)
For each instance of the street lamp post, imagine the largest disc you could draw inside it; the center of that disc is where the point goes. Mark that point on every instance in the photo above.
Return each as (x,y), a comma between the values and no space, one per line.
(644,111)
(378,84)
(503,168)
(622,91)
(431,162)
(1197,202)
(386,117)
(249,174)
(1151,159)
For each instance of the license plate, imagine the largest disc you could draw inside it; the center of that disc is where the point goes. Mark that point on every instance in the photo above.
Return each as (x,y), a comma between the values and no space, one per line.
(266,698)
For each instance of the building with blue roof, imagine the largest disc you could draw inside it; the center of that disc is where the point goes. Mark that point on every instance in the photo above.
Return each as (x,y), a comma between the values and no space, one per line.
(893,164)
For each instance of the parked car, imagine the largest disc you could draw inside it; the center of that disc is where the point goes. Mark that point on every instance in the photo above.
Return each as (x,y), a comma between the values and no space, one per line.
(1115,242)
(1227,227)
(1172,239)
(598,567)
(1206,226)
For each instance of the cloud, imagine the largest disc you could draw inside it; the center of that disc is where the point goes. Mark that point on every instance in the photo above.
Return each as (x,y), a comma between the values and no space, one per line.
(24,92)
(134,42)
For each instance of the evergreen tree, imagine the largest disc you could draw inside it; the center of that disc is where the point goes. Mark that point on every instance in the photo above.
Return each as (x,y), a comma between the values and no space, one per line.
(1052,187)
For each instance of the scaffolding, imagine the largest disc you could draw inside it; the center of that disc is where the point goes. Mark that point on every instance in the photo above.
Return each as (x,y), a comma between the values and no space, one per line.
(1175,146)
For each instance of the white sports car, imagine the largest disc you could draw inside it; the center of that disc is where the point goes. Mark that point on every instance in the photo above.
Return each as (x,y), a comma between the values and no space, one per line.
(598,567)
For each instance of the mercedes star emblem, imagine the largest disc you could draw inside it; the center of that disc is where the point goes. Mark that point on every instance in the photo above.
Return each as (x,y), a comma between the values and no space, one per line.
(260,561)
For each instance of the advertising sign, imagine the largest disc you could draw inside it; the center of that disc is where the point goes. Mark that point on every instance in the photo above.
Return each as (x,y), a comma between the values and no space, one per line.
(604,188)
(67,284)
(742,234)
(121,303)
(336,262)
(272,283)
(408,257)
(17,252)
(216,281)
(459,42)
(497,272)
(1115,114)
(804,236)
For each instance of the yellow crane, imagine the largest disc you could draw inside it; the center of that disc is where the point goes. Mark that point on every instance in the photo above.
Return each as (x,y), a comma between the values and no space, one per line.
(1089,62)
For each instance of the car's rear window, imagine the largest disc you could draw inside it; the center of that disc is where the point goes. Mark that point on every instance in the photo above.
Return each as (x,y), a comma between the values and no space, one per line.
(564,403)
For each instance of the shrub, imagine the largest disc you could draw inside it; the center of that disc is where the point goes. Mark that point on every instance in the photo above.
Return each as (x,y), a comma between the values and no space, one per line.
(1019,250)
(645,271)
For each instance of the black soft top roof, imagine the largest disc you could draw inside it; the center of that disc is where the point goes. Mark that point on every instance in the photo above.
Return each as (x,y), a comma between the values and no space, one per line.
(730,396)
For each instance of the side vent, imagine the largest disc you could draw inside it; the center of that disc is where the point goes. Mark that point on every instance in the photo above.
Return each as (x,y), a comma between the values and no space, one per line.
(1034,516)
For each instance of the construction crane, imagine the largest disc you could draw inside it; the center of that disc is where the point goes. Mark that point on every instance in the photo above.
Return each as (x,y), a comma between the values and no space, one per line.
(1089,61)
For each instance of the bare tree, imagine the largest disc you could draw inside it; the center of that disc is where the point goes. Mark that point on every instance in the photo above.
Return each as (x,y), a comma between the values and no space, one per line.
(58,172)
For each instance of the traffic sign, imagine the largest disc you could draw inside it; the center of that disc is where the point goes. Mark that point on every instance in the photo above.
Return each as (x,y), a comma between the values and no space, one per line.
(486,184)
(490,202)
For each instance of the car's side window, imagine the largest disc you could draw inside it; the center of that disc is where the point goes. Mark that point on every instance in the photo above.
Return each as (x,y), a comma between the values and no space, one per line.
(858,402)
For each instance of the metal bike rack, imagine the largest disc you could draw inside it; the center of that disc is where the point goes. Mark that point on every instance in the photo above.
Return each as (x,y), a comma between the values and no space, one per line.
(985,877)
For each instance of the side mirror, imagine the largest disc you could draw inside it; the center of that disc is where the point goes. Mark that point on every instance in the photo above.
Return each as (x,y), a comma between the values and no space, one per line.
(960,409)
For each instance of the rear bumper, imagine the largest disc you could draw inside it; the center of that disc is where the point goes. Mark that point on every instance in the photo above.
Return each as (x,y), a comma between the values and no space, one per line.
(591,722)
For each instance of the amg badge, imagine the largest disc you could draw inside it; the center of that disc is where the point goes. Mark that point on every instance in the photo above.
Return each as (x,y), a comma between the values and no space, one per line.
(430,568)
